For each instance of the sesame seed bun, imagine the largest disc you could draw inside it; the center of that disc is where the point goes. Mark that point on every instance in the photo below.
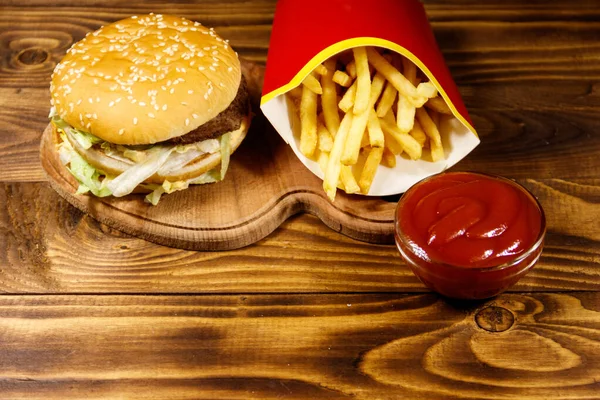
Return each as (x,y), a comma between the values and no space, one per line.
(146,79)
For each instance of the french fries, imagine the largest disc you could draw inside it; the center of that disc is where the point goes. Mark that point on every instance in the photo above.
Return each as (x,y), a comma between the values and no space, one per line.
(376,138)
(387,100)
(363,80)
(321,69)
(347,101)
(359,123)
(342,79)
(438,104)
(329,98)
(394,76)
(373,109)
(351,69)
(370,168)
(348,180)
(429,126)
(406,114)
(418,134)
(388,158)
(408,143)
(312,83)
(325,138)
(308,122)
(334,166)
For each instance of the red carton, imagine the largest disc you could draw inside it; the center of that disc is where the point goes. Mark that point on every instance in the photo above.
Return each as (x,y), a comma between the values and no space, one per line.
(306,33)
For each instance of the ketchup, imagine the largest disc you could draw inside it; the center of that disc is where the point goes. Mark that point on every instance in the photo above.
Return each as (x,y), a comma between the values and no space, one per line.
(469,235)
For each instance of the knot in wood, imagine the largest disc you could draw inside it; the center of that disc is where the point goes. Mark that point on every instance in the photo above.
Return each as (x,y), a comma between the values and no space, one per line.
(32,56)
(495,319)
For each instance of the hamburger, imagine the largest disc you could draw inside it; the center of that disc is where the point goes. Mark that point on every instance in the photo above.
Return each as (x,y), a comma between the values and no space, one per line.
(151,104)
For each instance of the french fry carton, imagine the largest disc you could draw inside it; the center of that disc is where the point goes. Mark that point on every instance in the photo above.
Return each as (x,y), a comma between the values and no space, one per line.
(306,33)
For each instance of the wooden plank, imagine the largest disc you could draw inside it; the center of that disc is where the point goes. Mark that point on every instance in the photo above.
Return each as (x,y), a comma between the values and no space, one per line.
(517,346)
(47,246)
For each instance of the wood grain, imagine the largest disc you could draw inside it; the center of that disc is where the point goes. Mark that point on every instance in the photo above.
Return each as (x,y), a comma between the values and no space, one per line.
(303,346)
(89,312)
(50,247)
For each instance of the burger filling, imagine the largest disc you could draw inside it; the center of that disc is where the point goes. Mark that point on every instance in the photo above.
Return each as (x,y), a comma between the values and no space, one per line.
(106,169)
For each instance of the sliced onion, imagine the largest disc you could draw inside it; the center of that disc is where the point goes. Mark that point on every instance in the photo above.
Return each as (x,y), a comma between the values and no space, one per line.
(125,183)
(179,160)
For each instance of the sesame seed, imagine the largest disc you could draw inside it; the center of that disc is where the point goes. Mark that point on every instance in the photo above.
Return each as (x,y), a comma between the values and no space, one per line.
(151,115)
(118,100)
(135,120)
(187,121)
(172,90)
(190,91)
(112,103)
(183,103)
(91,100)
(205,96)
(195,116)
(121,131)
(164,107)
(141,103)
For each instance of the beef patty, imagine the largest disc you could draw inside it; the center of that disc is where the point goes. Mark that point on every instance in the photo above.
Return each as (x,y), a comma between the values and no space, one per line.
(227,121)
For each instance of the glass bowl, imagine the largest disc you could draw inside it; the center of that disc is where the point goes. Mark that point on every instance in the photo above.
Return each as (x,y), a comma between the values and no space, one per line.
(464,281)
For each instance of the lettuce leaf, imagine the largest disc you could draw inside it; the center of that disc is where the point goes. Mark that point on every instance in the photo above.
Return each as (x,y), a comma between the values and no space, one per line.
(85,139)
(225,154)
(89,178)
(154,196)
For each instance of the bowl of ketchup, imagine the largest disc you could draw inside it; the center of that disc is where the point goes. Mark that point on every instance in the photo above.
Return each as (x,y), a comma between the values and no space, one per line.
(469,235)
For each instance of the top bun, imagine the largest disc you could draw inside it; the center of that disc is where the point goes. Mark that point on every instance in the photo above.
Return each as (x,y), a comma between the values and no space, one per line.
(145,79)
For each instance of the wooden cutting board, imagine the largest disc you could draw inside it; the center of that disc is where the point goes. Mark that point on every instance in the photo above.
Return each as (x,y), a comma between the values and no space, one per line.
(265,185)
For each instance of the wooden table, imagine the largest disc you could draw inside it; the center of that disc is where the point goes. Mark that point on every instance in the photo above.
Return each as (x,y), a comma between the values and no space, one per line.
(307,313)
